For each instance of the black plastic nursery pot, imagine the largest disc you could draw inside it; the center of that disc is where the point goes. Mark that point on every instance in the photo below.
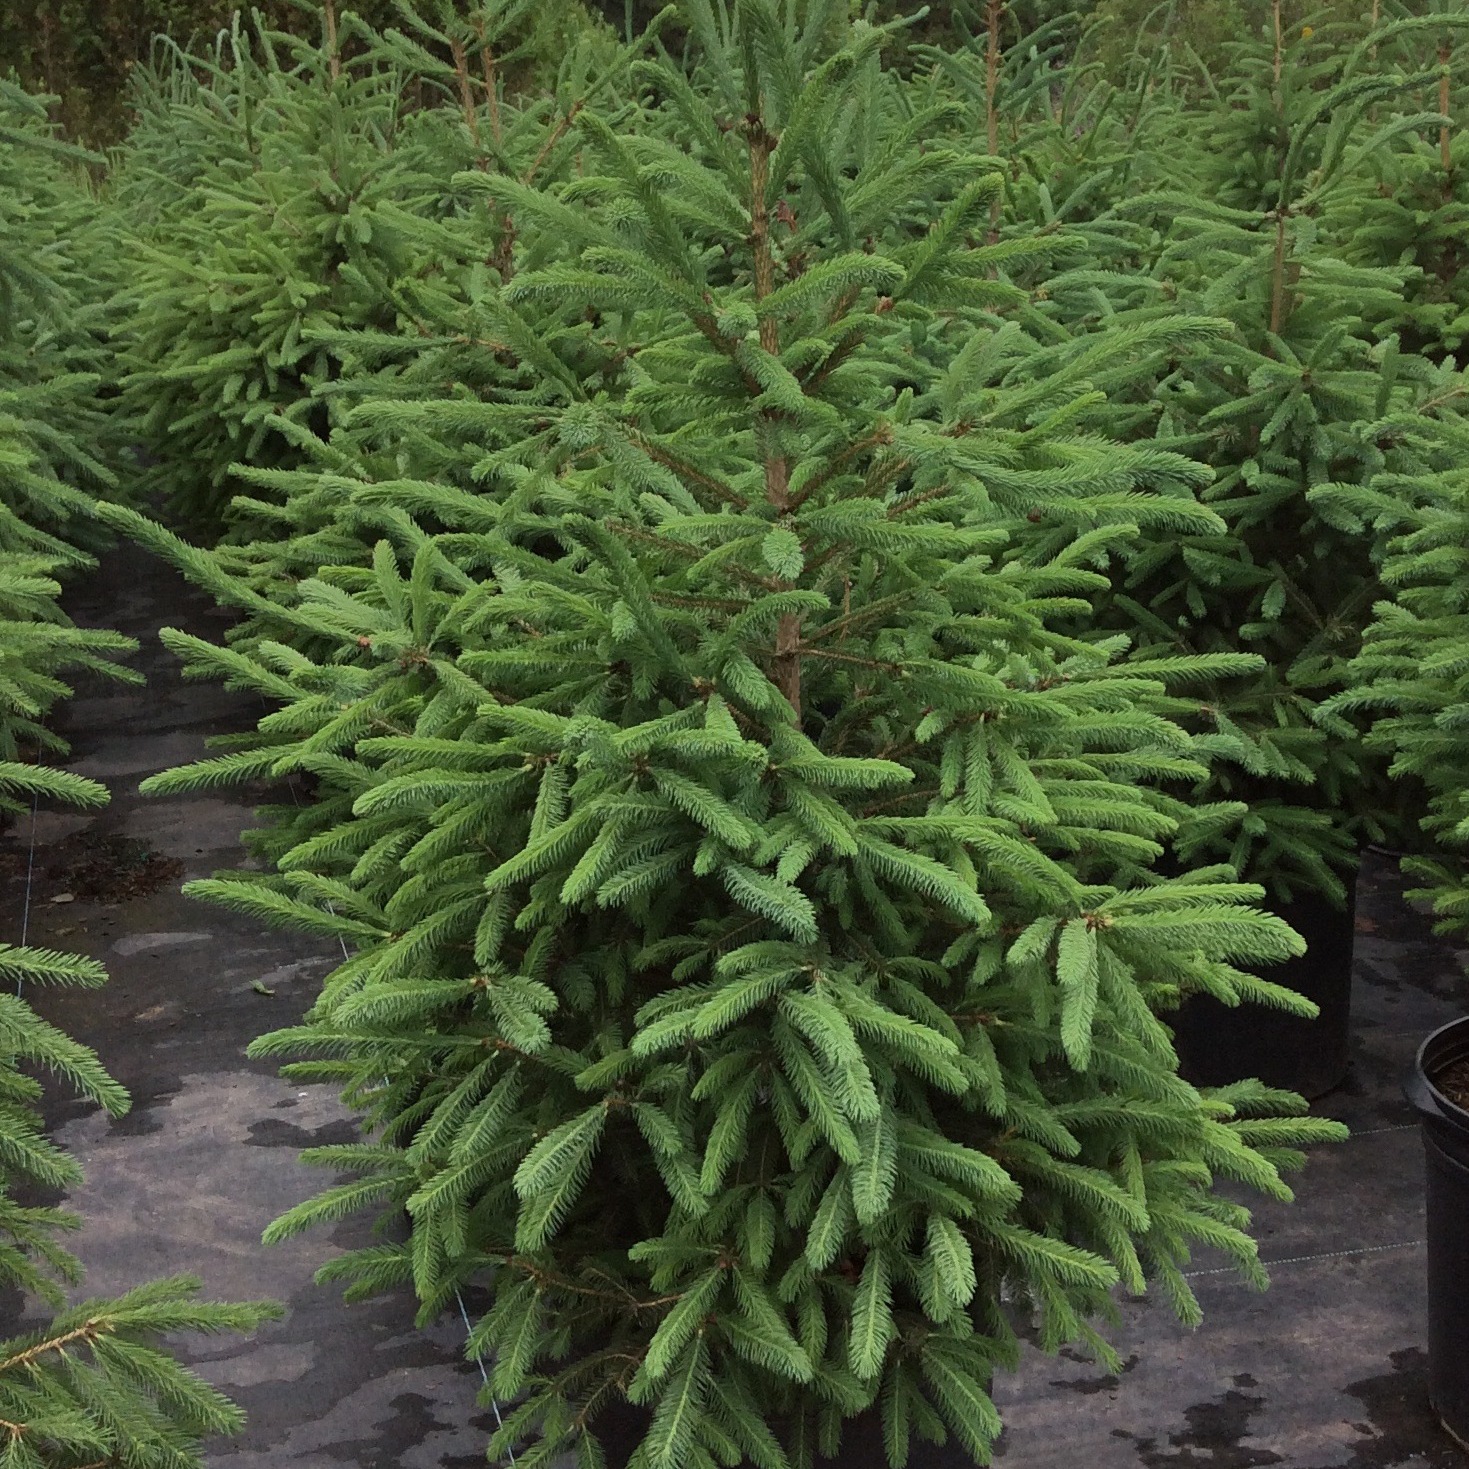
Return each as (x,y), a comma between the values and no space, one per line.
(621,1429)
(1438,1088)
(1218,1044)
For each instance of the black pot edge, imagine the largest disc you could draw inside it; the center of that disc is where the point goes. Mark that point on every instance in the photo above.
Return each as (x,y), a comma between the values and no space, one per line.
(1313,1063)
(1426,1100)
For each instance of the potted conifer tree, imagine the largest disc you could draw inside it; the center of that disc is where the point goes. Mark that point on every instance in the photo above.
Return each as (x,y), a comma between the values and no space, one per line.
(1409,204)
(278,194)
(1181,232)
(83,1382)
(1410,674)
(1285,410)
(726,830)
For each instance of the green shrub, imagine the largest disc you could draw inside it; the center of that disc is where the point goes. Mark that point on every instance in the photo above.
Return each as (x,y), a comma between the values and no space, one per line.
(279,199)
(1410,673)
(1406,209)
(1286,410)
(1225,206)
(89,1384)
(88,52)
(754,984)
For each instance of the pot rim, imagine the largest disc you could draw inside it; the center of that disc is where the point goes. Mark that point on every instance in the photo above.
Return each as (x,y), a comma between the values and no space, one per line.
(1453,1111)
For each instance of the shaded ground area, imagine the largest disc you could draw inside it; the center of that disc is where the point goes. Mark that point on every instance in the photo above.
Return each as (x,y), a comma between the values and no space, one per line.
(207,1157)
(1325,1371)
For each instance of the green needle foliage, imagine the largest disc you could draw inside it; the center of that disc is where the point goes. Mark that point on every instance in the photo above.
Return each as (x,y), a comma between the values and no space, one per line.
(92,1388)
(90,1385)
(1408,206)
(754,979)
(50,425)
(1240,218)
(248,249)
(1410,673)
(52,434)
(276,195)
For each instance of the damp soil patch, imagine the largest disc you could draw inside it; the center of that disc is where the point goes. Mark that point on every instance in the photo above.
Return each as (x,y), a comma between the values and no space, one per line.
(1453,1083)
(96,868)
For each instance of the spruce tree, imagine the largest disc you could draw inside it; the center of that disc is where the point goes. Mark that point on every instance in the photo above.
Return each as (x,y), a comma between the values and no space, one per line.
(753,987)
(282,193)
(83,1383)
(1407,207)
(1281,407)
(1409,676)
(1269,205)
(256,245)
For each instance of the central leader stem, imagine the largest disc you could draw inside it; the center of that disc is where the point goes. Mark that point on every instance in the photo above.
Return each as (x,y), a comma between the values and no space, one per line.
(787,671)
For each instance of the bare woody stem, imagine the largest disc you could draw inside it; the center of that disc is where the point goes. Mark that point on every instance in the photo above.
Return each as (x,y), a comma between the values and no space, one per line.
(761,147)
(1277,275)
(992,78)
(787,671)
(556,134)
(840,460)
(85,1332)
(991,109)
(502,259)
(1277,269)
(1279,43)
(466,99)
(492,94)
(333,59)
(688,471)
(1445,51)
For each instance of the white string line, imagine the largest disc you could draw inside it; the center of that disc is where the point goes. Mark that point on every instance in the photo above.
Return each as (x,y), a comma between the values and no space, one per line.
(1407,1244)
(485,1376)
(25,917)
(475,1356)
(1395,1035)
